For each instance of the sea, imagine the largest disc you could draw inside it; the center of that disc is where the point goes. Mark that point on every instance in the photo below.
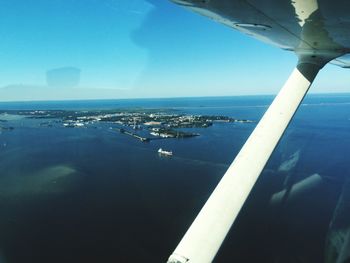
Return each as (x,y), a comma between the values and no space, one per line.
(96,195)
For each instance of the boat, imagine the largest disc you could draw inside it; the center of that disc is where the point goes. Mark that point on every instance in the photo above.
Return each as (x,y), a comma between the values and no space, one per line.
(163,152)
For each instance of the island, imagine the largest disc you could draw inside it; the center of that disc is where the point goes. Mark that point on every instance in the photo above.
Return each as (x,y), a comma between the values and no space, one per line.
(142,124)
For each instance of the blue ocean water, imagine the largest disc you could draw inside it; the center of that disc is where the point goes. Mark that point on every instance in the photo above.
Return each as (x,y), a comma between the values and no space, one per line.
(94,195)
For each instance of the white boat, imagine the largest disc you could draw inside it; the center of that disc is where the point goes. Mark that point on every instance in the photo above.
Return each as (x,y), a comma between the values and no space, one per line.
(163,152)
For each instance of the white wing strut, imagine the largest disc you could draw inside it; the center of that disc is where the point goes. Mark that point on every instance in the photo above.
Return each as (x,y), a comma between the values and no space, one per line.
(206,234)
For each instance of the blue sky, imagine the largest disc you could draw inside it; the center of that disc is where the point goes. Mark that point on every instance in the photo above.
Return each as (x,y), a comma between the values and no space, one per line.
(137,48)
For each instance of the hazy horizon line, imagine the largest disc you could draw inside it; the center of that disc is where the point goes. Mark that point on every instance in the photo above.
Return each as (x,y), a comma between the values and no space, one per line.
(161,98)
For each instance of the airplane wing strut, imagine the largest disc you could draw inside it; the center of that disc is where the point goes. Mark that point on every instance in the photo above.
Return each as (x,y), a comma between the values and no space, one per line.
(206,234)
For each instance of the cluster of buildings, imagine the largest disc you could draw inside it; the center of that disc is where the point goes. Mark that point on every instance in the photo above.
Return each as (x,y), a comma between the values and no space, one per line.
(155,123)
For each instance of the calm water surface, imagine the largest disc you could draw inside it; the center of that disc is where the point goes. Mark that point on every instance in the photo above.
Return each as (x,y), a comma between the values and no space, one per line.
(95,195)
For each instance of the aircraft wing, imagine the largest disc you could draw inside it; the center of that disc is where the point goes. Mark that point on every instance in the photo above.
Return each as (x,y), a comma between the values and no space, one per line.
(303,26)
(318,31)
